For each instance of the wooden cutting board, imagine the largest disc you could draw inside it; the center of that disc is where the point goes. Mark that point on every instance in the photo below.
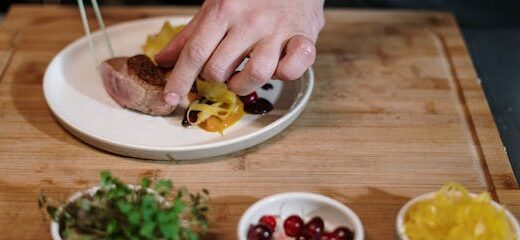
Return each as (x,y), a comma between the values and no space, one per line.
(397,111)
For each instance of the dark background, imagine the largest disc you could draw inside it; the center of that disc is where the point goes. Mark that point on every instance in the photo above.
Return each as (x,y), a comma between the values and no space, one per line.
(491,30)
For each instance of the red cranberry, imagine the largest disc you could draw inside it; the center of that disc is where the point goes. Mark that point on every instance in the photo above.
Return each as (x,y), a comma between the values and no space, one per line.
(293,225)
(269,220)
(249,99)
(304,236)
(343,233)
(315,226)
(259,232)
(328,236)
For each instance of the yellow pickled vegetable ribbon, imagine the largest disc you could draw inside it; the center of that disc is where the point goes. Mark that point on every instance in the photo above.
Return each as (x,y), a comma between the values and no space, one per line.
(155,43)
(453,214)
(223,104)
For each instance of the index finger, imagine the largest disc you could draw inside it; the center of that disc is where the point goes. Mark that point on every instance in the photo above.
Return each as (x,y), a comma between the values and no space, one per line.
(170,53)
(197,50)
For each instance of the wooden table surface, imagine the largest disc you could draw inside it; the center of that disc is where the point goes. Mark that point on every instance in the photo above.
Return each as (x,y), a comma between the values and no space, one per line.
(397,111)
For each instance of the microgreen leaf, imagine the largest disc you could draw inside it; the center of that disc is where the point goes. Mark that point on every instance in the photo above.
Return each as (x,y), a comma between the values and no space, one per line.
(112,227)
(106,178)
(133,217)
(52,210)
(163,187)
(178,205)
(124,207)
(205,191)
(190,235)
(145,182)
(147,230)
(42,200)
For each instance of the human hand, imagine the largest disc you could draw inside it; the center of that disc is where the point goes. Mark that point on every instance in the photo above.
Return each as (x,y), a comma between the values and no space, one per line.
(278,36)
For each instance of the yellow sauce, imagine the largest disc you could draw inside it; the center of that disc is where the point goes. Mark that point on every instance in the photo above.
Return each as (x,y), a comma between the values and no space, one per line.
(453,214)
(214,124)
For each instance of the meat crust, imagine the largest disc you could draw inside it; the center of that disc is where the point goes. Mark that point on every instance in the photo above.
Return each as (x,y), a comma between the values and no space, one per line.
(136,83)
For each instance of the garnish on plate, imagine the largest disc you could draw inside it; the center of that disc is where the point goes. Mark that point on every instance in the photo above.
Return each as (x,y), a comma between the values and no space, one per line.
(120,211)
(454,214)
(156,42)
(214,107)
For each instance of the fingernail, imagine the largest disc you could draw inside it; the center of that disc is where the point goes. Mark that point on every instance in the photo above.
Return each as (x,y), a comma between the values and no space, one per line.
(172,99)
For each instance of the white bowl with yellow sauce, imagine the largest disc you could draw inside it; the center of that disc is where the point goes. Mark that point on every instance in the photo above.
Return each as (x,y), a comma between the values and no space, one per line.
(401,216)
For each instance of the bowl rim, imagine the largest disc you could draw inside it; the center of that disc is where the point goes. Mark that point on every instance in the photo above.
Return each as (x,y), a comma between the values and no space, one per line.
(357,225)
(55,227)
(400,231)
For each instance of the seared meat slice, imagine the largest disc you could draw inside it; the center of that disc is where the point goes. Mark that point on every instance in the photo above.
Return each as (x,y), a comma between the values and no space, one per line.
(136,83)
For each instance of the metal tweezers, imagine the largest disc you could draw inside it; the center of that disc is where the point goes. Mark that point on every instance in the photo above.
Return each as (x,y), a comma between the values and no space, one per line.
(86,27)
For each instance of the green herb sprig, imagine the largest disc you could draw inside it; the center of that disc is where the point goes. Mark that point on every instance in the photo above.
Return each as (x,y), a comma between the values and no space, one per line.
(120,211)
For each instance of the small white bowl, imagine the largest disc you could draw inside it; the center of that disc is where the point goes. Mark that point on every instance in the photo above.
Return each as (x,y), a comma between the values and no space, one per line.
(400,231)
(55,227)
(306,205)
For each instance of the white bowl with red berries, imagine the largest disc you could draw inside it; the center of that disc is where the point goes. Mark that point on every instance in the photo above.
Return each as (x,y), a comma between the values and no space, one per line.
(300,216)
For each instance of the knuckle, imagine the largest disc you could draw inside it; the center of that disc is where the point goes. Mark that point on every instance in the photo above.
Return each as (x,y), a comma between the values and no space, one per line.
(285,74)
(260,73)
(320,21)
(215,72)
(196,53)
(284,21)
(251,19)
(260,20)
(226,7)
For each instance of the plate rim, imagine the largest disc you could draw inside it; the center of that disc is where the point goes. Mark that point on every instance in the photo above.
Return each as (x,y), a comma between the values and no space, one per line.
(296,108)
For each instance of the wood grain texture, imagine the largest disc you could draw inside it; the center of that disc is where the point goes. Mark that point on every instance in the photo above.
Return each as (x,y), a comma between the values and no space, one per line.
(397,111)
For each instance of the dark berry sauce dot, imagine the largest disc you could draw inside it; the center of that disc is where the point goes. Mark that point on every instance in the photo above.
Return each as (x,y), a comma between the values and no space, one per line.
(194,87)
(193,116)
(206,101)
(185,122)
(267,86)
(260,106)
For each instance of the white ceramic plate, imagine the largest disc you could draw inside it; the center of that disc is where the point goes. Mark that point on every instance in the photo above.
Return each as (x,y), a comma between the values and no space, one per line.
(74,92)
